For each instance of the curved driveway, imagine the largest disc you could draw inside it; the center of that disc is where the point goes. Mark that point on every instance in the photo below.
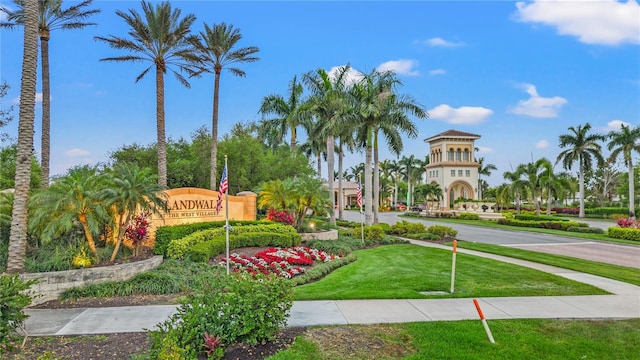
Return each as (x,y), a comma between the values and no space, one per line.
(611,253)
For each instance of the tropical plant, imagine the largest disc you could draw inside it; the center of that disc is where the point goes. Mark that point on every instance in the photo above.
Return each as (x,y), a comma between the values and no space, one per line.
(626,142)
(328,102)
(160,37)
(275,194)
(77,196)
(408,164)
(308,197)
(18,234)
(316,145)
(290,114)
(533,176)
(216,50)
(485,170)
(51,16)
(582,148)
(129,190)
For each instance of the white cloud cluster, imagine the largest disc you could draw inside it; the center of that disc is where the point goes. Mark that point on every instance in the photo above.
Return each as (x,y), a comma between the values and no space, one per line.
(461,115)
(542,144)
(538,106)
(614,125)
(400,67)
(440,42)
(602,22)
(435,72)
(353,76)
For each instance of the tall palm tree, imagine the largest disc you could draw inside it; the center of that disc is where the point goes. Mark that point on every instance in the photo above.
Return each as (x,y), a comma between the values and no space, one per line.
(483,169)
(51,16)
(532,176)
(18,232)
(517,188)
(328,101)
(626,142)
(130,190)
(394,169)
(160,37)
(582,147)
(291,113)
(315,145)
(216,49)
(73,197)
(408,165)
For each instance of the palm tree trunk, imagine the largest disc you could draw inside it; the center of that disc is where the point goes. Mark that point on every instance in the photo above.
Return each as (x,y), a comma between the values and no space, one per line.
(88,235)
(330,165)
(368,188)
(319,161)
(214,129)
(581,184)
(632,206)
(549,199)
(162,145)
(340,189)
(46,112)
(376,180)
(294,141)
(18,233)
(121,231)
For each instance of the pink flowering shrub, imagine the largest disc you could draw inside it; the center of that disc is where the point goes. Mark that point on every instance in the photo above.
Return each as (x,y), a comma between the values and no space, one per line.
(628,223)
(281,216)
(138,231)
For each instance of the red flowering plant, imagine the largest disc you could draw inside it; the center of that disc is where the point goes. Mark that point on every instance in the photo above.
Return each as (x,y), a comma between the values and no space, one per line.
(281,216)
(138,231)
(628,223)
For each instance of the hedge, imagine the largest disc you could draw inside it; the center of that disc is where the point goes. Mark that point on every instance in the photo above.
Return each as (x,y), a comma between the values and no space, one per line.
(177,248)
(468,216)
(554,225)
(166,234)
(608,211)
(538,218)
(322,269)
(587,230)
(204,251)
(624,233)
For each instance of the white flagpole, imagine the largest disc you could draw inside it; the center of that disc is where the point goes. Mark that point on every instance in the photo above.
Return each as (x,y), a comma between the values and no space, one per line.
(361,213)
(226,210)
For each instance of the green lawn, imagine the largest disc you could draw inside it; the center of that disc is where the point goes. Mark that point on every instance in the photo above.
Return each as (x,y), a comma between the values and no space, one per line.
(515,339)
(403,271)
(616,272)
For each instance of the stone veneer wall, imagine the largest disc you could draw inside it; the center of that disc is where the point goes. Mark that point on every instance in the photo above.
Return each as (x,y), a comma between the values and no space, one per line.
(51,284)
(321,235)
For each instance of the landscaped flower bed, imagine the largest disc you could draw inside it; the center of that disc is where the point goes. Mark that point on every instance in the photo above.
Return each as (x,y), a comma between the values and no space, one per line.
(278,261)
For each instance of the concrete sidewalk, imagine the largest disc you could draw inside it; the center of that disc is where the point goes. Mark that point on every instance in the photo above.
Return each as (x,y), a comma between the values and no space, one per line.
(622,304)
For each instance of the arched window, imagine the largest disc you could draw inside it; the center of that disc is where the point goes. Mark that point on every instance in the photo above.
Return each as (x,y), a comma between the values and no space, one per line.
(450,155)
(458,155)
(465,156)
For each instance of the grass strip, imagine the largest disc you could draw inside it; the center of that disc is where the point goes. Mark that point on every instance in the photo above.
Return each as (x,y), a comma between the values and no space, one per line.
(615,272)
(404,271)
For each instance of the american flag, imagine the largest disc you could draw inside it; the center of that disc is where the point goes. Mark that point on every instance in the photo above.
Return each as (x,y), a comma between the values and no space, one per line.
(359,194)
(224,186)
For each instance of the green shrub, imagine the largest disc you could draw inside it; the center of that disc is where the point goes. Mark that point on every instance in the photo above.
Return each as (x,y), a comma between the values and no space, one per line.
(385,227)
(554,225)
(608,211)
(624,233)
(235,308)
(204,251)
(405,227)
(534,217)
(323,269)
(345,223)
(371,232)
(178,248)
(587,230)
(442,231)
(468,216)
(166,234)
(12,303)
(423,236)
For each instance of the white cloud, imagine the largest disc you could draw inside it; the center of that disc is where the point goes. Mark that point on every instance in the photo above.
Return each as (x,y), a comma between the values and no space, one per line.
(440,42)
(614,125)
(484,150)
(542,144)
(435,72)
(353,76)
(400,67)
(603,22)
(16,100)
(461,115)
(77,152)
(537,106)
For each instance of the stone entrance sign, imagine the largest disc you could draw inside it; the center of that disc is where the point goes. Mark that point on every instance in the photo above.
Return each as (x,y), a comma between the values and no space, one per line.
(192,205)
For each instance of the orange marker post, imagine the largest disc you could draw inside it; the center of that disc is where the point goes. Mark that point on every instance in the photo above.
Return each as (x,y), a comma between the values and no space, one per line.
(484,321)
(453,265)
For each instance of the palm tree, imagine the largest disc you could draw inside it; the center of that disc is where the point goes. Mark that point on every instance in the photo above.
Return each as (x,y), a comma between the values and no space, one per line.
(394,169)
(408,164)
(581,147)
(76,196)
(483,169)
(328,101)
(517,188)
(18,233)
(290,113)
(532,176)
(131,189)
(315,145)
(51,16)
(307,194)
(625,142)
(160,37)
(215,47)
(275,194)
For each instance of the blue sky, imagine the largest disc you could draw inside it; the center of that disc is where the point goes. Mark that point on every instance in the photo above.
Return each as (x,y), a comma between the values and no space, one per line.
(516,73)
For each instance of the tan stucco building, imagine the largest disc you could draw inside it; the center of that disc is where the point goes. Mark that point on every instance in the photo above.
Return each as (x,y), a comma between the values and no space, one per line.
(452,165)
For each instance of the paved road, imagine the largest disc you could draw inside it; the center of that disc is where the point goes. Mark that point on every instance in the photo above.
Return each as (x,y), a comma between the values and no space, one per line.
(617,254)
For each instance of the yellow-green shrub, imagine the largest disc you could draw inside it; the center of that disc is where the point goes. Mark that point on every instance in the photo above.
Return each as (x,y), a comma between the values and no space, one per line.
(624,233)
